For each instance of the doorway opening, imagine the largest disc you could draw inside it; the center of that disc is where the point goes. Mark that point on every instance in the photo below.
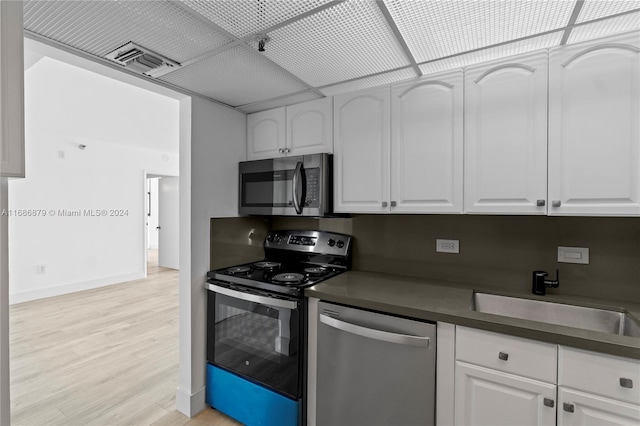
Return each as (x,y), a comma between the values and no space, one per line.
(161,221)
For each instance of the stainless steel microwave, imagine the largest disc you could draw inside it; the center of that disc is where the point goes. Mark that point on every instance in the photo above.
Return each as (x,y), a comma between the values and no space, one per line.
(286,186)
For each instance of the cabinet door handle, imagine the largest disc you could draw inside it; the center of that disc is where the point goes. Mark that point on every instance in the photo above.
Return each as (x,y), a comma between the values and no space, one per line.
(287,150)
(626,383)
(569,408)
(385,204)
(541,203)
(393,204)
(503,356)
(548,402)
(281,151)
(556,203)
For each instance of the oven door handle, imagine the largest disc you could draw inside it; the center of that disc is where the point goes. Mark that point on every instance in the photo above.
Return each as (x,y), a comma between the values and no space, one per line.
(371,333)
(298,177)
(279,303)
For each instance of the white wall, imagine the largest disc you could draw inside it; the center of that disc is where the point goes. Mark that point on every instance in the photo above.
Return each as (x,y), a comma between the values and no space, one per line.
(218,143)
(211,144)
(66,106)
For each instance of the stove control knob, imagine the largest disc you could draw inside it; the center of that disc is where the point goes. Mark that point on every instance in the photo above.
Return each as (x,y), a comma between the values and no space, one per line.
(278,238)
(340,243)
(331,242)
(270,238)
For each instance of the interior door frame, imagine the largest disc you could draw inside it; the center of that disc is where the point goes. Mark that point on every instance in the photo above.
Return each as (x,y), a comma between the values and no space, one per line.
(149,174)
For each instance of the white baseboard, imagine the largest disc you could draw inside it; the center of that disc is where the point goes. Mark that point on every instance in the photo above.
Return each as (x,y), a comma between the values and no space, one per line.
(42,293)
(190,404)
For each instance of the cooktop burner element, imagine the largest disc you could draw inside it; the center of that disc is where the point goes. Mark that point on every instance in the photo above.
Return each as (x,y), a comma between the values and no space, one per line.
(239,270)
(267,265)
(293,260)
(289,278)
(316,271)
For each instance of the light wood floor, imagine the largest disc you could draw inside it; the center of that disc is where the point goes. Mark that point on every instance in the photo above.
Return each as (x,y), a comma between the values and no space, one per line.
(107,356)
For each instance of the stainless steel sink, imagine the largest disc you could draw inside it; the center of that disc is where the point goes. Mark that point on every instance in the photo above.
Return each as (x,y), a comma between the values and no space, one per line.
(557,313)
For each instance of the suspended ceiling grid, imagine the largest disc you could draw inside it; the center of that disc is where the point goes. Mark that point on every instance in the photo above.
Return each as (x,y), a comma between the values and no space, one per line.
(319,48)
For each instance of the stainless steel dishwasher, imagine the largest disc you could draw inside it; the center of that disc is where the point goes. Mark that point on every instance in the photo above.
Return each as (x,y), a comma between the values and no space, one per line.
(374,369)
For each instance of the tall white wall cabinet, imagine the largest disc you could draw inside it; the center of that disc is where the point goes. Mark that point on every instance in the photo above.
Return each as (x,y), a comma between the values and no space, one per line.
(361,151)
(11,90)
(399,150)
(594,127)
(506,136)
(426,144)
(300,129)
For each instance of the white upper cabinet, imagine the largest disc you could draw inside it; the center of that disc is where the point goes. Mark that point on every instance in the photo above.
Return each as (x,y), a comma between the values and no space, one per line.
(426,144)
(299,129)
(361,147)
(266,135)
(11,90)
(310,127)
(505,150)
(594,128)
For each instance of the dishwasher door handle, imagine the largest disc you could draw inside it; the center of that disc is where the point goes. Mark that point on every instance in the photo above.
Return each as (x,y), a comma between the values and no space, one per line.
(385,336)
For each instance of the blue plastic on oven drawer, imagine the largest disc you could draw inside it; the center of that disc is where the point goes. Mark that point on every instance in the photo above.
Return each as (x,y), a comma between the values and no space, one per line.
(248,402)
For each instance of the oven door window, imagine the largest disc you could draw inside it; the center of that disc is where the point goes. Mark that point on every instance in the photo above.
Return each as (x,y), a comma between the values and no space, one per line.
(258,341)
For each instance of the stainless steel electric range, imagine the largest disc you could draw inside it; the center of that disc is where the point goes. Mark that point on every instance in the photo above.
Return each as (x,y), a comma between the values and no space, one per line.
(257,326)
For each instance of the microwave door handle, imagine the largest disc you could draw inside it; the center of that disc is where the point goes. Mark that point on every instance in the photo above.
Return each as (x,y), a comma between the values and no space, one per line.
(298,178)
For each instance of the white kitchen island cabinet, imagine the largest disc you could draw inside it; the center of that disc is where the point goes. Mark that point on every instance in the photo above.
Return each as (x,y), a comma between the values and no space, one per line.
(426,144)
(300,129)
(594,128)
(361,142)
(505,147)
(11,90)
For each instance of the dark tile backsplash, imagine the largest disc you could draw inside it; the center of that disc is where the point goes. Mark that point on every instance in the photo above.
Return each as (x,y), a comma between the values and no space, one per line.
(494,250)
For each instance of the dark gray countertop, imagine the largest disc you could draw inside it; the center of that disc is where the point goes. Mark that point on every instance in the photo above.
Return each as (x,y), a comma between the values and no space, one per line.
(430,300)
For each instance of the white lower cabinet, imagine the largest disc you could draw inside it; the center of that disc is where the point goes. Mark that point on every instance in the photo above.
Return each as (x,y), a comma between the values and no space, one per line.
(597,389)
(490,397)
(508,380)
(582,409)
(504,380)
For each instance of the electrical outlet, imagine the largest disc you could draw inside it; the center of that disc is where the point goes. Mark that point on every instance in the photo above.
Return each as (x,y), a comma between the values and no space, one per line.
(41,269)
(448,246)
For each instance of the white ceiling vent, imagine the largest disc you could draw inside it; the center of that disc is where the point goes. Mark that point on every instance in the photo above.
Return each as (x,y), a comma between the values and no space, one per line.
(142,60)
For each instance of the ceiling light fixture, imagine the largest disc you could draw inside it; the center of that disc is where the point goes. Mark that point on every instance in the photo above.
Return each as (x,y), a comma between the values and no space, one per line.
(262,39)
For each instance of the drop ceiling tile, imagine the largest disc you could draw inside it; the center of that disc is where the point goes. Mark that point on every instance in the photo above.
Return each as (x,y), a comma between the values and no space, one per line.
(98,27)
(365,83)
(594,9)
(346,41)
(605,27)
(436,29)
(245,18)
(236,76)
(503,51)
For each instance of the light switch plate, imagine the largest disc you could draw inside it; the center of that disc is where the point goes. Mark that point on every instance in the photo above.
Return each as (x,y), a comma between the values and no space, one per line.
(573,255)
